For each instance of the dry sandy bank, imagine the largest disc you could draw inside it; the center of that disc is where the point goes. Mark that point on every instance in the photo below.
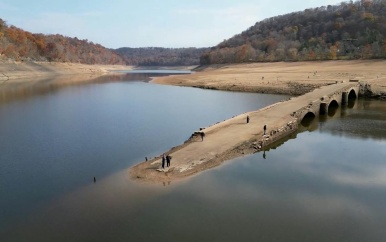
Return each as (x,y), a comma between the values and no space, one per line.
(10,70)
(293,78)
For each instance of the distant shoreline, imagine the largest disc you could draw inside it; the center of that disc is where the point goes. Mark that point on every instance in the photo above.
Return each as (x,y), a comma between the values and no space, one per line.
(11,70)
(291,78)
(177,68)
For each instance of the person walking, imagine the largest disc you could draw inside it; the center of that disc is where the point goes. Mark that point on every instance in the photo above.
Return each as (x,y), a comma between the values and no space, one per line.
(202,136)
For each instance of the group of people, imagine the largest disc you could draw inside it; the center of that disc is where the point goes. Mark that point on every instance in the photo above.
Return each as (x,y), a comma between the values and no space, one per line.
(166,159)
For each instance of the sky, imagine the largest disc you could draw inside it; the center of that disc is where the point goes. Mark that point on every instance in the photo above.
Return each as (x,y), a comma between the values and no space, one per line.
(147,23)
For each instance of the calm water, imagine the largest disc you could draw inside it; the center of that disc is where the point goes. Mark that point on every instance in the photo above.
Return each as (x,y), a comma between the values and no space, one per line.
(326,183)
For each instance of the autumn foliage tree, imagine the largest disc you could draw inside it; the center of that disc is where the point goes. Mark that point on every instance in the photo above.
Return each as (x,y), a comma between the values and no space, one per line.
(350,30)
(17,44)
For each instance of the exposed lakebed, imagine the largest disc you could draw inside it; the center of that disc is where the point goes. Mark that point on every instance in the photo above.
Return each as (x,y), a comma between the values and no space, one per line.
(325,185)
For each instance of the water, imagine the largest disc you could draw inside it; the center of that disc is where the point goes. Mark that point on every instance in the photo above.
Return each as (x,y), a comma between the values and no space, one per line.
(58,134)
(326,183)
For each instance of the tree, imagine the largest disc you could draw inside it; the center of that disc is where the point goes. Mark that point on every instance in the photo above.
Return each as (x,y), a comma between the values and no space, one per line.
(3,25)
(10,51)
(293,54)
(349,30)
(333,52)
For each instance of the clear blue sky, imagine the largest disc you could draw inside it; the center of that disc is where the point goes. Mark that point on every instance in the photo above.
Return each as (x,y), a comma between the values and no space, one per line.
(161,23)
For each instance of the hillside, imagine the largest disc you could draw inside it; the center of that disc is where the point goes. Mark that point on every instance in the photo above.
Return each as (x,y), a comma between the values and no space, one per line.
(17,44)
(351,30)
(155,56)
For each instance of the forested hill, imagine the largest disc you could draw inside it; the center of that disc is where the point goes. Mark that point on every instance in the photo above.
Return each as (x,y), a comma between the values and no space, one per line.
(155,56)
(351,30)
(17,44)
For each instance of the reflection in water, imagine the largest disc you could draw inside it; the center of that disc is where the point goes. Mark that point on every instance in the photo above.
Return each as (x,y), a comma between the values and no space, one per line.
(362,119)
(279,143)
(60,134)
(25,88)
(317,187)
(351,102)
(366,119)
(324,183)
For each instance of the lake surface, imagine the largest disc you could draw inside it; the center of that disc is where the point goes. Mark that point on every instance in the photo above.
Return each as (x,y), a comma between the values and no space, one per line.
(325,183)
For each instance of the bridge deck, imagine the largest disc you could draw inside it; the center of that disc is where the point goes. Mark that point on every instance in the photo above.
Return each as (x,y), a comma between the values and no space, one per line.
(222,138)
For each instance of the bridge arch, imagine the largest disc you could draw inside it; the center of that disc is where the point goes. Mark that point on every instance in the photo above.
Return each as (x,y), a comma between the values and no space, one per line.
(332,107)
(352,94)
(333,103)
(307,119)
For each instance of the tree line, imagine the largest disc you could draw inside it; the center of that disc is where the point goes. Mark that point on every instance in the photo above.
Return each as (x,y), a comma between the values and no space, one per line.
(17,44)
(350,30)
(157,56)
(20,45)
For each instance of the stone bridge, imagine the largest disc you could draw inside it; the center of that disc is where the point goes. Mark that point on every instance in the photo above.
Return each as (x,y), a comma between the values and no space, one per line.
(331,100)
(235,137)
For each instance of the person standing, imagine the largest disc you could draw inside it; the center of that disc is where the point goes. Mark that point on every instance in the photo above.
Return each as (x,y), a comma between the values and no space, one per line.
(247,119)
(265,129)
(202,136)
(163,161)
(168,158)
